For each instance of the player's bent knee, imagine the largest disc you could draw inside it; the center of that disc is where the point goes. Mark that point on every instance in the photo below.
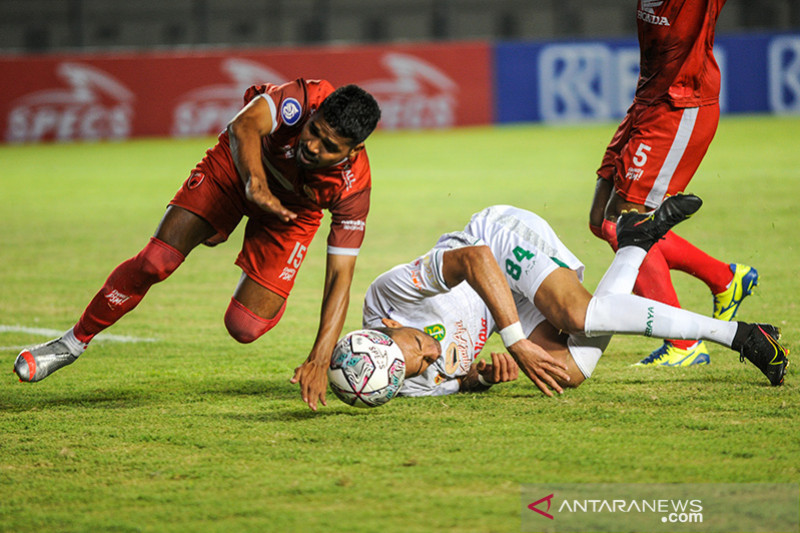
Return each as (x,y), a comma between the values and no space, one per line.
(585,352)
(245,326)
(158,260)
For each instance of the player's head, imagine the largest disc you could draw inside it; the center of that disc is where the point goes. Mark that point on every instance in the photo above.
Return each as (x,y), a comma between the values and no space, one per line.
(352,112)
(338,129)
(420,350)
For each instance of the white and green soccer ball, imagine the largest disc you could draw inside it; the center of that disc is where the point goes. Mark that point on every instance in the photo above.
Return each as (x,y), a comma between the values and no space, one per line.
(367,368)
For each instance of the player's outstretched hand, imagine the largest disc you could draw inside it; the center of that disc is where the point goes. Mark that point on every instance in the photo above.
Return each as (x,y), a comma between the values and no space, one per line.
(502,368)
(539,366)
(313,380)
(260,195)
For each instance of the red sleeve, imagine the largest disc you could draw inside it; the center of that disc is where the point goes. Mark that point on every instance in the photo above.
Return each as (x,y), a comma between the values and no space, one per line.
(348,223)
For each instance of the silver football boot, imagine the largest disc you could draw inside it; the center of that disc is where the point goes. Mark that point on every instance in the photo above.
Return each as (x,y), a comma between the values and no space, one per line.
(38,362)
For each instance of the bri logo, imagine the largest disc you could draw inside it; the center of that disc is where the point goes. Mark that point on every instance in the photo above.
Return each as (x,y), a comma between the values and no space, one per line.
(549,500)
(290,111)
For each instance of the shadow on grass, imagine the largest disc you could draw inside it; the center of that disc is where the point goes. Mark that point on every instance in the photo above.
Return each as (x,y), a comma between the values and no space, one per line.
(93,399)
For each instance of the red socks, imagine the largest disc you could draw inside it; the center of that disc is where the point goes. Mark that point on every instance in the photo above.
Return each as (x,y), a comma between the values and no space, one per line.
(245,326)
(126,286)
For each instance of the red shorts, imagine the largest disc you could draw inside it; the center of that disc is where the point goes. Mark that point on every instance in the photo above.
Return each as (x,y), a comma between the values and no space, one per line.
(656,150)
(272,251)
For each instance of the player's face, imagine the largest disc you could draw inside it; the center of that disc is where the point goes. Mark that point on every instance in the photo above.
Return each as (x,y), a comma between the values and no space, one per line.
(320,146)
(419,349)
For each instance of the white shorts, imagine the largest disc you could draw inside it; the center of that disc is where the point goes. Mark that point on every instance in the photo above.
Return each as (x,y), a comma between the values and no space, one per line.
(527,250)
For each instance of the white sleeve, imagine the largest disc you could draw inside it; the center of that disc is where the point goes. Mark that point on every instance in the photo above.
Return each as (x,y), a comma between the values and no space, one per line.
(406,285)
(426,385)
(272,111)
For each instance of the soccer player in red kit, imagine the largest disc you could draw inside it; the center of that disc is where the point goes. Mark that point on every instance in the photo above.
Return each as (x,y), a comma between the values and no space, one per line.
(656,151)
(292,151)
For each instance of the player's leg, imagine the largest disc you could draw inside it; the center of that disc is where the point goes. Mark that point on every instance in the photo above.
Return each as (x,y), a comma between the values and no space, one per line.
(253,311)
(206,209)
(648,169)
(607,171)
(178,233)
(271,256)
(730,283)
(614,310)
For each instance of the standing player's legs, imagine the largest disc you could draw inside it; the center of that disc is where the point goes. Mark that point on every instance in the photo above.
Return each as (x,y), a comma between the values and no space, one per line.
(590,320)
(659,158)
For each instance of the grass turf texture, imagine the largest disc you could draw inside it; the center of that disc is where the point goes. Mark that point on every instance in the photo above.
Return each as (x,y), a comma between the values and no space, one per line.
(195,432)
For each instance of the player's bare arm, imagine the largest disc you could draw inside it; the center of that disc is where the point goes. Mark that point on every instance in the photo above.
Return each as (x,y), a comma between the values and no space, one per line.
(245,131)
(312,374)
(602,192)
(477,266)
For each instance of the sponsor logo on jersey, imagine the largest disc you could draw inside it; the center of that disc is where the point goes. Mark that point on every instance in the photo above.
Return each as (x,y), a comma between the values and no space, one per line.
(451,358)
(458,353)
(287,274)
(353,225)
(207,110)
(429,269)
(483,334)
(415,274)
(647,13)
(436,331)
(195,179)
(634,173)
(291,111)
(348,177)
(116,298)
(94,105)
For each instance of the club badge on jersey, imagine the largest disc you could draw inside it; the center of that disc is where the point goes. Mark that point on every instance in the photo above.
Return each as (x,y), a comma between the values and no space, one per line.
(291,111)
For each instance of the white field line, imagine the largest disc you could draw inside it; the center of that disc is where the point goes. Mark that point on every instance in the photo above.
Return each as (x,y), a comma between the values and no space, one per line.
(53,333)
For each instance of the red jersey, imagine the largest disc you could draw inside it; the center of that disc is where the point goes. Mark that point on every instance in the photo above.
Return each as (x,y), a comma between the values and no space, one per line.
(676,41)
(343,189)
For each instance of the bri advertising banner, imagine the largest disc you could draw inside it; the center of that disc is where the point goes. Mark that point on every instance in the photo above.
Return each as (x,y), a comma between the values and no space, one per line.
(580,81)
(117,96)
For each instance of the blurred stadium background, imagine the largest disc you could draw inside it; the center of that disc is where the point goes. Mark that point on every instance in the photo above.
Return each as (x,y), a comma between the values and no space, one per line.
(53,25)
(100,69)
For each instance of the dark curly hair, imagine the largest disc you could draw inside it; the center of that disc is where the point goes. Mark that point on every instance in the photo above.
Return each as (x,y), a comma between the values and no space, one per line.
(352,112)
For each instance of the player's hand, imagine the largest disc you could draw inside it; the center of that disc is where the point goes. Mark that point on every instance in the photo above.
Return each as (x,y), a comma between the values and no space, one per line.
(539,366)
(502,368)
(313,380)
(259,194)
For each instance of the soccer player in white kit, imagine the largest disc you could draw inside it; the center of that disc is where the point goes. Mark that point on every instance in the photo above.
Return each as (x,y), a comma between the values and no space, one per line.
(508,272)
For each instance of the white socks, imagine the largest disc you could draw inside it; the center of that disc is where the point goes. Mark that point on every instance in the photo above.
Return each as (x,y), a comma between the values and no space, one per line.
(75,346)
(614,310)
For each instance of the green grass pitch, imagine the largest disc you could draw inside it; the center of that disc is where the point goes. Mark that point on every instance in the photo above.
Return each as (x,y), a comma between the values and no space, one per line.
(185,430)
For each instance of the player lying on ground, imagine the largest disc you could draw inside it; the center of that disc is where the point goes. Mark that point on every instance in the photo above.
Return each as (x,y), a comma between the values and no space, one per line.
(441,308)
(292,151)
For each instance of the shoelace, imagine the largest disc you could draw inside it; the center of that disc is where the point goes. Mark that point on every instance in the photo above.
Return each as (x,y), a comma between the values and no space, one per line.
(655,355)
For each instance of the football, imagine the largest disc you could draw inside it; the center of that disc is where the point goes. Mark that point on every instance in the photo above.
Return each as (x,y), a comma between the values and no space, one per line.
(367,368)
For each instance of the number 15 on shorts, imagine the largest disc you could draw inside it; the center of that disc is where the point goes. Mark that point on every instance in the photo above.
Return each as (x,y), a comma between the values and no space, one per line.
(297,256)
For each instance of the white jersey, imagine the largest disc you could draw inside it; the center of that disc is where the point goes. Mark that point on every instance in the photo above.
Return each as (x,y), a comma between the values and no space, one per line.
(415,294)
